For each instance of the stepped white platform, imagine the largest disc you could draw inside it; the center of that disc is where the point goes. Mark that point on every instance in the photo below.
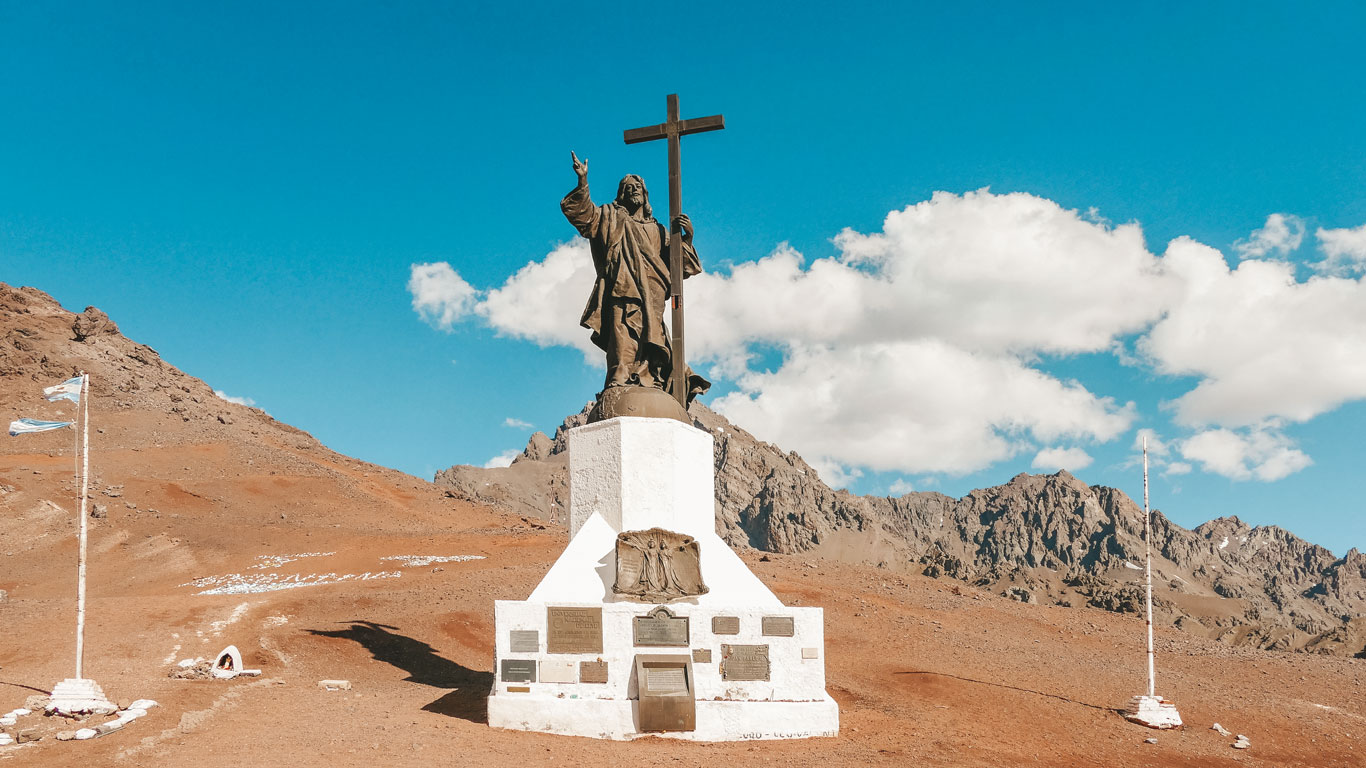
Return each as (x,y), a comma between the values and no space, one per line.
(752,668)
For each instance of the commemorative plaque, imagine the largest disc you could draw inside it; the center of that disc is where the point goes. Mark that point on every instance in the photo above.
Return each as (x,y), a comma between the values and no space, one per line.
(524,641)
(744,662)
(558,671)
(725,625)
(701,655)
(519,671)
(592,672)
(777,626)
(661,627)
(573,630)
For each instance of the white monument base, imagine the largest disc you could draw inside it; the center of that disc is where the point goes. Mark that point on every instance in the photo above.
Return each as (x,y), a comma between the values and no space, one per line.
(74,696)
(1152,711)
(618,719)
(579,675)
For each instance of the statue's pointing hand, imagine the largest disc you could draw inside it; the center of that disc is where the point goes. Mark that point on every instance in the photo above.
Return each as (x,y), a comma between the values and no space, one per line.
(580,167)
(684,225)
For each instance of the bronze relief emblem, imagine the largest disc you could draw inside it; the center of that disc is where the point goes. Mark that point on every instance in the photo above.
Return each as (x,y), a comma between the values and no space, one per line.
(658,566)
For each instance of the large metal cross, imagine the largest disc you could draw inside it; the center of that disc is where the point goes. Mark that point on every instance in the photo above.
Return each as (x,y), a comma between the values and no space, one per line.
(673,130)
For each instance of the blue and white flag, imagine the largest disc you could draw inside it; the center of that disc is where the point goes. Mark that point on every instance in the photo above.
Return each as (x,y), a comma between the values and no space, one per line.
(27,426)
(67,390)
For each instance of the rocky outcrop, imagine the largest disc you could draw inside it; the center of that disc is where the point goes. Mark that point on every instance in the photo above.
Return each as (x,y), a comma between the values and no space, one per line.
(1037,538)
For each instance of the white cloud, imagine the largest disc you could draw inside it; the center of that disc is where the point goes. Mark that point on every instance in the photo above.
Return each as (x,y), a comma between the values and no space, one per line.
(1070,459)
(1344,250)
(1282,234)
(1263,344)
(544,301)
(1261,452)
(516,423)
(503,459)
(1177,468)
(440,295)
(232,399)
(899,487)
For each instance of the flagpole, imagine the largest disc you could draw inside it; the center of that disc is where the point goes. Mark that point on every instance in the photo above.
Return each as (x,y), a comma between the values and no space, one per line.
(85,483)
(1148,570)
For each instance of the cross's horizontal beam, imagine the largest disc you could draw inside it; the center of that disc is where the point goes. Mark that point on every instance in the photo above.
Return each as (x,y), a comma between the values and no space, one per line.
(685,127)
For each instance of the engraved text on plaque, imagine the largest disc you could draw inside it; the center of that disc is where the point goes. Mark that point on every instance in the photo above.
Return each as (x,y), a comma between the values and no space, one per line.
(744,662)
(573,630)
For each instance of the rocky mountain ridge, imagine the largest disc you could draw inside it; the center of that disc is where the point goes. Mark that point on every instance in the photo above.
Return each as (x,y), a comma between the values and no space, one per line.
(1037,538)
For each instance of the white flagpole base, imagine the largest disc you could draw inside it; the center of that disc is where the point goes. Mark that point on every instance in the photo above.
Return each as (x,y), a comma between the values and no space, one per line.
(1152,711)
(75,695)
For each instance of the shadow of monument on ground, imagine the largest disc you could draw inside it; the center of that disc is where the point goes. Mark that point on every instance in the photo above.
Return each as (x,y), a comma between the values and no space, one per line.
(468,700)
(1012,688)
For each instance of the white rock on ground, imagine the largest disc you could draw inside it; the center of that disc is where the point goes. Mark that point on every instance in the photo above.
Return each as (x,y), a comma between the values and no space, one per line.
(142,704)
(85,733)
(1221,729)
(5,740)
(1241,743)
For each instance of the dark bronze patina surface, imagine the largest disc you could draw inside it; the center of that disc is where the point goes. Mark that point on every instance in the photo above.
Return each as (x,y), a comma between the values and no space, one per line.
(701,655)
(668,701)
(518,671)
(777,626)
(573,630)
(744,662)
(658,566)
(660,627)
(592,672)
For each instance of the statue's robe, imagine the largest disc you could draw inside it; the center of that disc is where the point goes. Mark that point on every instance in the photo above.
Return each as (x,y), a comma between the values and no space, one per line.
(630,256)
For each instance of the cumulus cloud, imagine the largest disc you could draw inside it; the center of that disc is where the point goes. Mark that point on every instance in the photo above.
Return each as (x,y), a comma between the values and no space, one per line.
(1263,344)
(544,300)
(1261,452)
(440,295)
(1344,250)
(232,399)
(1282,234)
(516,423)
(1070,459)
(900,487)
(503,459)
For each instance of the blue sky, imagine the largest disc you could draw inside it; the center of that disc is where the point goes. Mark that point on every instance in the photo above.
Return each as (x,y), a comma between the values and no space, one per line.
(248,190)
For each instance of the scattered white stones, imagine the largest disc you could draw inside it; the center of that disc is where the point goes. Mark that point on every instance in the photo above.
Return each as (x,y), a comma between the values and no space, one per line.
(419,561)
(238,584)
(1150,741)
(8,720)
(335,685)
(275,561)
(5,739)
(1241,742)
(1221,729)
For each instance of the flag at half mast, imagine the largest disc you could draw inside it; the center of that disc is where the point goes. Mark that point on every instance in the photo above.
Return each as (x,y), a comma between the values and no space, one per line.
(29,426)
(67,390)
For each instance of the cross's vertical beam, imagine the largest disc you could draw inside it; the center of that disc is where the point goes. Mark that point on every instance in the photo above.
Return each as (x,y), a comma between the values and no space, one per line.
(678,364)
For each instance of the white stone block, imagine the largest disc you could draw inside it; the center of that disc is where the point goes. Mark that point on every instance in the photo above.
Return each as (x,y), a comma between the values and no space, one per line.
(142,704)
(85,733)
(1152,711)
(559,671)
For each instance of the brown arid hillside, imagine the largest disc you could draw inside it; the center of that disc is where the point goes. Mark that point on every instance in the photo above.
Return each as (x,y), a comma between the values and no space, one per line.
(203,503)
(1048,539)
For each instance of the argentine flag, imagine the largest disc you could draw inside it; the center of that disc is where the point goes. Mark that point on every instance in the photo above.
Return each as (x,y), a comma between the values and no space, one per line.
(67,390)
(27,426)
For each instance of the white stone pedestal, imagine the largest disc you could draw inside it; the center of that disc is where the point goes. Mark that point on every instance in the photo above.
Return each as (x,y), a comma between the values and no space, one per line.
(631,474)
(1152,711)
(75,696)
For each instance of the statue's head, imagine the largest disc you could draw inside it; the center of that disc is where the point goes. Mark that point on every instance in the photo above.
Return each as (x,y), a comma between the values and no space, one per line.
(632,195)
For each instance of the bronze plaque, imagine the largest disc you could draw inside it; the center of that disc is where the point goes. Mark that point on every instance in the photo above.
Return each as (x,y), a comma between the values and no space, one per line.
(661,628)
(744,662)
(658,566)
(778,626)
(519,671)
(725,625)
(524,641)
(592,672)
(573,630)
(701,655)
(519,689)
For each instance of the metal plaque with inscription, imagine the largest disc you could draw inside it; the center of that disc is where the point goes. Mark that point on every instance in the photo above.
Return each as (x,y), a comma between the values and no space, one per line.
(744,662)
(524,641)
(519,671)
(592,672)
(725,625)
(778,626)
(701,655)
(661,627)
(573,630)
(666,681)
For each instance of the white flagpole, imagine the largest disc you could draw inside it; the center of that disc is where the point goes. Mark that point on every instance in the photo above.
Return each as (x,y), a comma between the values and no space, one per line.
(85,483)
(1148,570)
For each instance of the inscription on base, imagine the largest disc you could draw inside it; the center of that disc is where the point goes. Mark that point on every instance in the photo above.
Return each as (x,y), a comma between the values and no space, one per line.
(661,628)
(701,655)
(744,662)
(573,630)
(592,672)
(725,625)
(778,626)
(524,641)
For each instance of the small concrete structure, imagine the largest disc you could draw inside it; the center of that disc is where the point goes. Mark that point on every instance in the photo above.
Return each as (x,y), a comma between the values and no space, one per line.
(76,696)
(228,664)
(568,659)
(1152,711)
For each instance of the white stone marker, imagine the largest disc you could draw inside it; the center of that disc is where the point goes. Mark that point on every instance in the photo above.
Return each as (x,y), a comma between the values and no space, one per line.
(634,474)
